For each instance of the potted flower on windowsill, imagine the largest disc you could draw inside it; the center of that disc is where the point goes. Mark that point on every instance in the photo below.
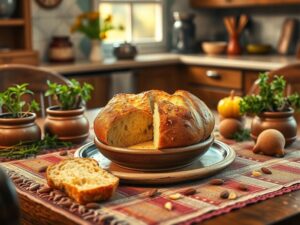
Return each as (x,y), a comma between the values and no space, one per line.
(272,108)
(17,123)
(95,29)
(66,120)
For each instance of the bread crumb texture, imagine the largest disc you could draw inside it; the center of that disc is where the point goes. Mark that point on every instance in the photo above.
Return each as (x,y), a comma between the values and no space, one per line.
(82,179)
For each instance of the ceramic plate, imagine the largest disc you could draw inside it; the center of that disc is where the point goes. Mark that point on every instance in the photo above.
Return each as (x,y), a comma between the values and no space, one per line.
(214,160)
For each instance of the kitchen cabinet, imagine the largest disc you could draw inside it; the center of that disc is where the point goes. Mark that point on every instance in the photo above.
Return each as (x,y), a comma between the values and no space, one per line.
(15,38)
(167,78)
(100,94)
(212,84)
(239,3)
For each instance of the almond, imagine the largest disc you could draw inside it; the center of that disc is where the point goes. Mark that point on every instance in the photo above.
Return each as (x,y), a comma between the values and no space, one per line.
(224,194)
(256,173)
(232,195)
(189,191)
(42,169)
(168,206)
(216,182)
(175,196)
(63,153)
(265,170)
(152,193)
(243,187)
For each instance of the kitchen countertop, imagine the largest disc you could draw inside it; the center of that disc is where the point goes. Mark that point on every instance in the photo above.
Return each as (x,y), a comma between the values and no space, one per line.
(247,62)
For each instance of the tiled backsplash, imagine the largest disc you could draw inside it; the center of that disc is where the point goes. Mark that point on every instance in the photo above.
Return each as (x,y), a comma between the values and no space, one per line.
(47,23)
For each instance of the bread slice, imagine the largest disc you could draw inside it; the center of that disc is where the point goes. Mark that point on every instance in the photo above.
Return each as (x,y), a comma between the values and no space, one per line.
(82,179)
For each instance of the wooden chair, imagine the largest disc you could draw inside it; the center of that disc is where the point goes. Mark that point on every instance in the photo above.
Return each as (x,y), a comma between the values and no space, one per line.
(35,77)
(291,74)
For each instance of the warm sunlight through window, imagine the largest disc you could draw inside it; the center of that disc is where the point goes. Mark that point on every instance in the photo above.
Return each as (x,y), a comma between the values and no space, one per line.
(142,20)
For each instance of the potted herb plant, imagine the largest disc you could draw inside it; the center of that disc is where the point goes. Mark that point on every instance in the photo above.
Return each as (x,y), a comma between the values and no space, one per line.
(66,120)
(272,108)
(17,123)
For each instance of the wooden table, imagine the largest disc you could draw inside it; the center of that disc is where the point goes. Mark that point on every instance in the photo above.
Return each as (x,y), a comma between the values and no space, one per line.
(284,209)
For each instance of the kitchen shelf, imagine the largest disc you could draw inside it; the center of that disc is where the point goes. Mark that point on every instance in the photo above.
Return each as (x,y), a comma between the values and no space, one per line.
(12,22)
(16,37)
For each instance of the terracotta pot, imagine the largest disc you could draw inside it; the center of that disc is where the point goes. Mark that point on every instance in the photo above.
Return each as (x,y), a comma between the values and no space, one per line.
(234,47)
(282,121)
(67,125)
(16,130)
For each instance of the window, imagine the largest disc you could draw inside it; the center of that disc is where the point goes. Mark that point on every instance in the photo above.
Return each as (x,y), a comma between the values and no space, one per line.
(142,21)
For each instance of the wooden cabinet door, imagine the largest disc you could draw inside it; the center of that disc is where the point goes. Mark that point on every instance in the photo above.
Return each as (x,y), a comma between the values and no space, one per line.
(166,78)
(100,94)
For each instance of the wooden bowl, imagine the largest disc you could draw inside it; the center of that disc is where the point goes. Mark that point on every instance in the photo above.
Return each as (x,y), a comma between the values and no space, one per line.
(214,47)
(154,159)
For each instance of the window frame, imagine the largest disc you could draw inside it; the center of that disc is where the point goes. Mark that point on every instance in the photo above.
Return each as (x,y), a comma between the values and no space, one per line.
(145,47)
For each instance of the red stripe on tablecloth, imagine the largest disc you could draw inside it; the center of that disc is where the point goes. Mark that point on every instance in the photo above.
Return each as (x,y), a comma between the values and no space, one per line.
(235,184)
(287,168)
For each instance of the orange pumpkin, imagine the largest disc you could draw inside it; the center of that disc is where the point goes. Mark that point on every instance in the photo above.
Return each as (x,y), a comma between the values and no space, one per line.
(229,107)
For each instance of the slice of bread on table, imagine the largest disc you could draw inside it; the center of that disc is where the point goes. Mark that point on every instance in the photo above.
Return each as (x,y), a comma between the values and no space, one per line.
(82,179)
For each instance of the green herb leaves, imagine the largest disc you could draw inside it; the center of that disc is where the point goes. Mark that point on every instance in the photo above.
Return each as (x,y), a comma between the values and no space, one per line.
(13,101)
(270,98)
(70,96)
(28,149)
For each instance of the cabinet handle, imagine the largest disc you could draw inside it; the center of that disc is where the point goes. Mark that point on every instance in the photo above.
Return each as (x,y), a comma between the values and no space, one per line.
(213,74)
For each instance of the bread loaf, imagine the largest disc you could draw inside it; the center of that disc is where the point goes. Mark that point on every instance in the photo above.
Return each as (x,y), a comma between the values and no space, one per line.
(82,179)
(175,120)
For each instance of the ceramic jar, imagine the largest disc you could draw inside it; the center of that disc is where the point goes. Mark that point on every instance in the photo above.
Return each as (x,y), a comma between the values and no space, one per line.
(96,51)
(16,130)
(282,121)
(234,47)
(67,125)
(61,49)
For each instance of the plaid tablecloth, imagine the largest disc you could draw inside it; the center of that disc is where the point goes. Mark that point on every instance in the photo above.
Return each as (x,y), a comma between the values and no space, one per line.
(132,204)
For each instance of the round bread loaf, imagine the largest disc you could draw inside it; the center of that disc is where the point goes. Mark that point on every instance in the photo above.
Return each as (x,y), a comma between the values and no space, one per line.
(175,120)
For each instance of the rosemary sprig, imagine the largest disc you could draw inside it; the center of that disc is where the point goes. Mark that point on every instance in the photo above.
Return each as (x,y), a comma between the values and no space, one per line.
(28,149)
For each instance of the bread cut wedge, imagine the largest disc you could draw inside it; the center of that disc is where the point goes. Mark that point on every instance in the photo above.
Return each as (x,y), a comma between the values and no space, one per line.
(82,179)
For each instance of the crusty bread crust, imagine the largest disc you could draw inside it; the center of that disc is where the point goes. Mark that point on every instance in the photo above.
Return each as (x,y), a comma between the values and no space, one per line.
(98,193)
(184,118)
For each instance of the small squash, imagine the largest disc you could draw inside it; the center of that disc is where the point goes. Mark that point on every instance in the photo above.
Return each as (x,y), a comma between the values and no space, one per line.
(229,107)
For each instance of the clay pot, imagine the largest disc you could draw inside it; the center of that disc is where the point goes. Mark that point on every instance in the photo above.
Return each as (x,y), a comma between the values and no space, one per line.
(234,47)
(282,121)
(16,130)
(67,125)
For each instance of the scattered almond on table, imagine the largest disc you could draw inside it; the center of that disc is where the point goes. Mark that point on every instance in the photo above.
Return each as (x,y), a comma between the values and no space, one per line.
(256,173)
(232,195)
(152,193)
(42,169)
(265,170)
(168,206)
(243,187)
(175,196)
(224,194)
(189,191)
(216,182)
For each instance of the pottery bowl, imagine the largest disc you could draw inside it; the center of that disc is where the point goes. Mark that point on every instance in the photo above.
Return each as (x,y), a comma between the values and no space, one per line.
(214,47)
(154,159)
